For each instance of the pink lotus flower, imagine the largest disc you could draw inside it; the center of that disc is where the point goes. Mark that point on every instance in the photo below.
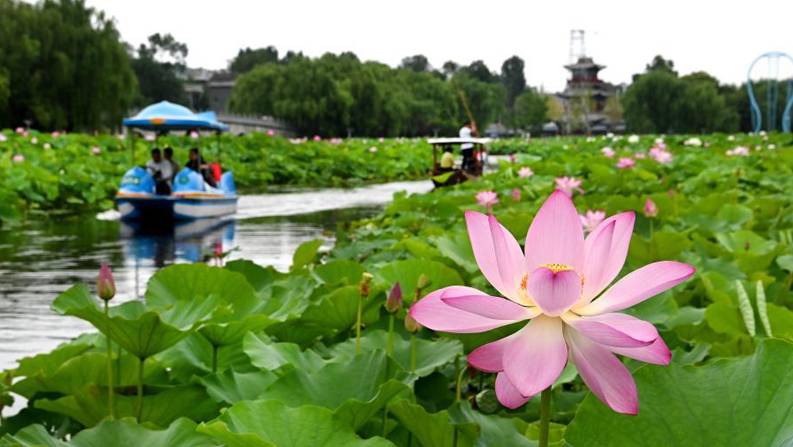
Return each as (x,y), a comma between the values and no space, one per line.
(557,286)
(149,137)
(661,155)
(608,152)
(34,140)
(740,151)
(270,133)
(3,137)
(568,185)
(487,199)
(47,146)
(626,163)
(381,139)
(525,172)
(194,135)
(96,150)
(516,194)
(640,155)
(55,134)
(18,158)
(317,138)
(20,130)
(373,149)
(650,208)
(513,158)
(591,219)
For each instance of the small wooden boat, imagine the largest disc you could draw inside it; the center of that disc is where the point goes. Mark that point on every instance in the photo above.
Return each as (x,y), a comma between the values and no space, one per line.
(448,177)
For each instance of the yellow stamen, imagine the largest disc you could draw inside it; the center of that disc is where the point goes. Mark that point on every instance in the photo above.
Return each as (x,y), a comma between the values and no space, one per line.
(556,268)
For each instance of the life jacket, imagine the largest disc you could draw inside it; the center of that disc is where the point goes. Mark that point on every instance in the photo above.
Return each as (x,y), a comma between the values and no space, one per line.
(217,172)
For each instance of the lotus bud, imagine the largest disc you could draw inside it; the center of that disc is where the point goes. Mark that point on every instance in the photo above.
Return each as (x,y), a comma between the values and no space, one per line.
(364,286)
(650,209)
(105,286)
(394,301)
(411,325)
(423,282)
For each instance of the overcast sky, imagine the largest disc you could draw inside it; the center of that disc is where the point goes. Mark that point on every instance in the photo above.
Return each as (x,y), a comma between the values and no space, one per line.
(720,37)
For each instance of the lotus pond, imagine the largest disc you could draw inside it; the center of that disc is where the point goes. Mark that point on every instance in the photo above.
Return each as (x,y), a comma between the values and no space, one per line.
(326,354)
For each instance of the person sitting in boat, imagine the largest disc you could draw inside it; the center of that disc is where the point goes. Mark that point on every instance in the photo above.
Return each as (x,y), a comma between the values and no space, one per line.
(447,159)
(197,164)
(168,154)
(161,172)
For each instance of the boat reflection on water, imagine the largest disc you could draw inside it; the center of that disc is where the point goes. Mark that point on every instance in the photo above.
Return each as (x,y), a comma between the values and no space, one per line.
(150,245)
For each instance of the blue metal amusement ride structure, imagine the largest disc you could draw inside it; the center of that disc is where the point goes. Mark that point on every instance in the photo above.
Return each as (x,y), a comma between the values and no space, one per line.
(771,81)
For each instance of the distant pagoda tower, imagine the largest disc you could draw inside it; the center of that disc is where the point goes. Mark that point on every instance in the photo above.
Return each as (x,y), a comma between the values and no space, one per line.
(585,96)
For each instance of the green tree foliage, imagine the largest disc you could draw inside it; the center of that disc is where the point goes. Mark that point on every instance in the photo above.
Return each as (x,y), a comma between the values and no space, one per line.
(418,63)
(530,110)
(660,101)
(513,78)
(337,95)
(158,67)
(63,66)
(248,58)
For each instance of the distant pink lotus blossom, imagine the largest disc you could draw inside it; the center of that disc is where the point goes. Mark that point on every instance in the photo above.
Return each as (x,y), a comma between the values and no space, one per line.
(55,134)
(373,149)
(18,158)
(149,137)
(568,185)
(525,172)
(96,150)
(47,146)
(381,139)
(740,151)
(34,140)
(194,135)
(336,141)
(513,158)
(608,152)
(650,208)
(297,140)
(591,219)
(270,133)
(487,199)
(3,137)
(640,155)
(20,130)
(516,194)
(556,286)
(317,138)
(626,163)
(661,155)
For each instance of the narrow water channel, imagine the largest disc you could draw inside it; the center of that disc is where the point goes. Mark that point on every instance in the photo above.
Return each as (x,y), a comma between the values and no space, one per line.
(43,258)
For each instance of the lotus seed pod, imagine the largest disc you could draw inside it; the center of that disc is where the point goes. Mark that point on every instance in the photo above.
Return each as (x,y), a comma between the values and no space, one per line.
(423,282)
(364,287)
(411,325)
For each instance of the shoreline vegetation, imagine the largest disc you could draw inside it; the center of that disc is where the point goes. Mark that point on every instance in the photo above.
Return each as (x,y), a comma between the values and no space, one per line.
(246,355)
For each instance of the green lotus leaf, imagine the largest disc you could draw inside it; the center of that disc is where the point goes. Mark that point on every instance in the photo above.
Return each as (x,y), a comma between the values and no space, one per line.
(231,386)
(435,429)
(194,356)
(355,401)
(118,433)
(457,247)
(142,333)
(430,354)
(271,356)
(306,253)
(260,278)
(48,362)
(494,430)
(742,401)
(89,407)
(407,272)
(269,423)
(342,271)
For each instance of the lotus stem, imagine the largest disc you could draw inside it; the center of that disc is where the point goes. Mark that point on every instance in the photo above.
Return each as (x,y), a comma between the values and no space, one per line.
(652,225)
(390,345)
(358,325)
(214,358)
(412,352)
(139,405)
(545,416)
(110,407)
(458,394)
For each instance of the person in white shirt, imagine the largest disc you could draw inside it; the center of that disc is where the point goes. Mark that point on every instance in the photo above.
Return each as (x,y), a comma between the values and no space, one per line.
(467,149)
(161,171)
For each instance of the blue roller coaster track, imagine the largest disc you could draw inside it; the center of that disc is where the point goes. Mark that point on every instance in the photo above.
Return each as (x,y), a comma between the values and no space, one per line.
(772,94)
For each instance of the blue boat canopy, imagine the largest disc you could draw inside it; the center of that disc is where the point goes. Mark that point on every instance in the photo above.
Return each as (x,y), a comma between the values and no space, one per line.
(165,116)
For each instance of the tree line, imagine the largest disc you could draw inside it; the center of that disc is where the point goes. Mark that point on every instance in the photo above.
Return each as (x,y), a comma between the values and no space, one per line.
(63,65)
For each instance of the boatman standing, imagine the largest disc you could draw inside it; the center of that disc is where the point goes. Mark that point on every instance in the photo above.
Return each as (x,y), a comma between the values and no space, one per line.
(161,171)
(467,149)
